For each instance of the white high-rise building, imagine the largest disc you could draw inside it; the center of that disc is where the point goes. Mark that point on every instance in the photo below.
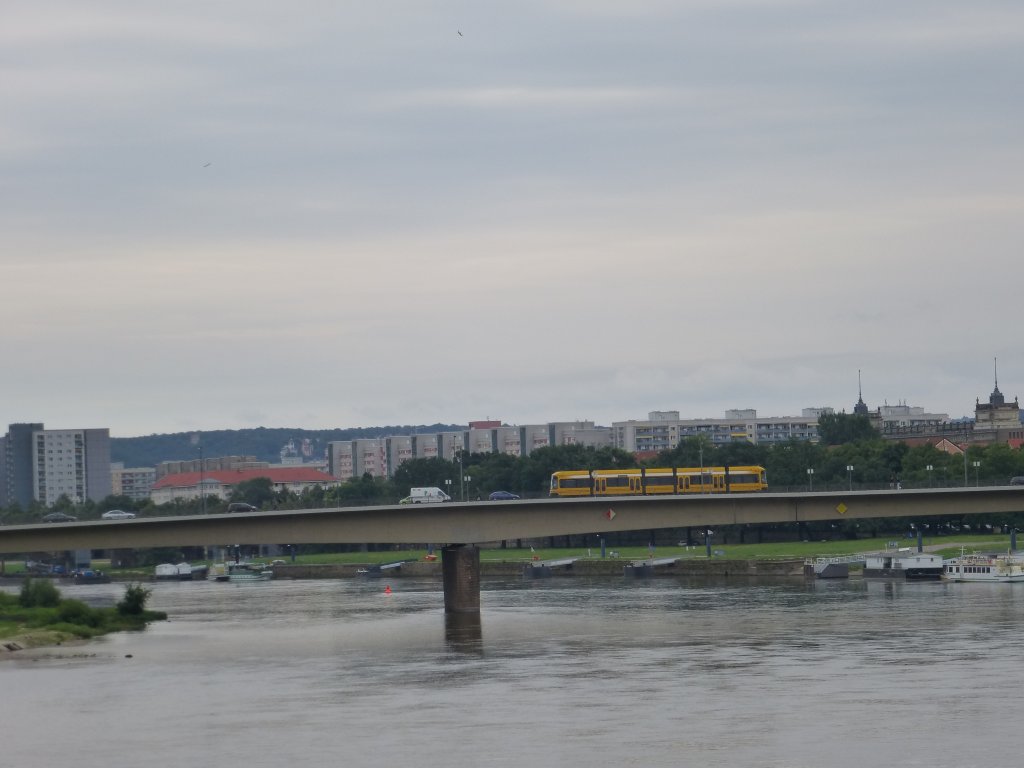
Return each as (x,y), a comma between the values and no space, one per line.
(70,462)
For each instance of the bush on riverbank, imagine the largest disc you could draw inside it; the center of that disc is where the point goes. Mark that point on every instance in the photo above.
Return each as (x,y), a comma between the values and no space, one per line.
(39,606)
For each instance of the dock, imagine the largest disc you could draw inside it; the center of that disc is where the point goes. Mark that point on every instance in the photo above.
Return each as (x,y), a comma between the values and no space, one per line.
(376,571)
(837,567)
(644,568)
(541,569)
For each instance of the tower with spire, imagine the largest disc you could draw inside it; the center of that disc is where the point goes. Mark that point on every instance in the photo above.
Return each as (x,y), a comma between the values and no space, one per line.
(861,408)
(996,418)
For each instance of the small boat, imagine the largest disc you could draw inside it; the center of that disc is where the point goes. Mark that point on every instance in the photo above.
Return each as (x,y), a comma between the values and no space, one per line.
(172,572)
(988,568)
(242,572)
(90,576)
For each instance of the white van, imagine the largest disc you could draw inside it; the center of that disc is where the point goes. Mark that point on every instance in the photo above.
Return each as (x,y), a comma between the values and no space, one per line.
(425,496)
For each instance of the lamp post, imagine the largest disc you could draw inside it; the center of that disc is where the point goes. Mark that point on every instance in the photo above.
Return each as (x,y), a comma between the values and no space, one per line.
(202,481)
(810,479)
(462,478)
(466,478)
(448,487)
(849,473)
(700,447)
(977,465)
(929,469)
(965,460)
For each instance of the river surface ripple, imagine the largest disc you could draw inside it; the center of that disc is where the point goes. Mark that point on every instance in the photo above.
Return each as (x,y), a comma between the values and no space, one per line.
(560,672)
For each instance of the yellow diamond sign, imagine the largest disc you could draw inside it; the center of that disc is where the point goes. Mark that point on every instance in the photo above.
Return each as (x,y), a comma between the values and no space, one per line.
(841,508)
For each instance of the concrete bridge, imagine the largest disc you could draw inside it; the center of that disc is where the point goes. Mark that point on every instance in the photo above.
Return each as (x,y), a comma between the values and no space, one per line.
(458,527)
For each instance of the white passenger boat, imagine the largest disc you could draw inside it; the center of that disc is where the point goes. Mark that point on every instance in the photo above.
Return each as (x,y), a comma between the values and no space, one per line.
(246,572)
(990,568)
(241,572)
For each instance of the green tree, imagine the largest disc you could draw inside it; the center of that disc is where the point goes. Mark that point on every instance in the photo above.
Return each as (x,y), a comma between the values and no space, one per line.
(417,473)
(840,428)
(134,601)
(495,471)
(694,451)
(258,491)
(538,467)
(38,593)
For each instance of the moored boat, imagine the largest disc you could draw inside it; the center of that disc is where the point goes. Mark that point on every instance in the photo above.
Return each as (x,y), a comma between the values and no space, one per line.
(91,576)
(903,564)
(246,572)
(986,568)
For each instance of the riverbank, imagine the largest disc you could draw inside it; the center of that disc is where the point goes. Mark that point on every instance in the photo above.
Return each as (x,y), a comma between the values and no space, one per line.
(692,566)
(41,616)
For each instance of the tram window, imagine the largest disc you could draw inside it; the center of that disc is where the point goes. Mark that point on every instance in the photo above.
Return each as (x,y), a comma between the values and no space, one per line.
(618,481)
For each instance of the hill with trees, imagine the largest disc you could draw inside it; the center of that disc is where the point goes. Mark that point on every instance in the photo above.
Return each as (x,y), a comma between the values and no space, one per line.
(266,444)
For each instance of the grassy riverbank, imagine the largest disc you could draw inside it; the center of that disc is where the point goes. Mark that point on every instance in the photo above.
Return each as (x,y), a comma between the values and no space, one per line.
(947,546)
(39,616)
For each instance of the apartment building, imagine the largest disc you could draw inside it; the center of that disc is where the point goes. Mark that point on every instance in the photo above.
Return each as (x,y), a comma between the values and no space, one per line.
(664,430)
(133,482)
(44,464)
(381,456)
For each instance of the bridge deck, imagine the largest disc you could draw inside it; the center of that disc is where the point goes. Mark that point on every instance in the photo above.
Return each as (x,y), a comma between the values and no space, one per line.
(472,523)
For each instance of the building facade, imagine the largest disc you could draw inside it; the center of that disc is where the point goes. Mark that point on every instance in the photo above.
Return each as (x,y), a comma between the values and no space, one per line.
(220,483)
(71,462)
(664,430)
(42,465)
(381,456)
(133,482)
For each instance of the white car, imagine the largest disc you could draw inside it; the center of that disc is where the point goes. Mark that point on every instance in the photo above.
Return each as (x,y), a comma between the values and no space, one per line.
(117,514)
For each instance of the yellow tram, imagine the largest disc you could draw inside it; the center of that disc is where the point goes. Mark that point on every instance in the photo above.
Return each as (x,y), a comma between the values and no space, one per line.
(645,482)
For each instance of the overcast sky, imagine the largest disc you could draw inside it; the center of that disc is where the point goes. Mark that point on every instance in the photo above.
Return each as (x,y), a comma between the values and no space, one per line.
(227,214)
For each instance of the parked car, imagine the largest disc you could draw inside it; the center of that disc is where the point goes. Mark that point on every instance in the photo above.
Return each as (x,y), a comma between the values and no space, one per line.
(118,514)
(59,517)
(502,496)
(1019,480)
(240,506)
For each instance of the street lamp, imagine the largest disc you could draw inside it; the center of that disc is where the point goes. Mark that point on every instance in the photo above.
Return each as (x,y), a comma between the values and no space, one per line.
(849,473)
(462,479)
(700,448)
(448,487)
(976,464)
(466,479)
(965,461)
(202,484)
(810,479)
(929,469)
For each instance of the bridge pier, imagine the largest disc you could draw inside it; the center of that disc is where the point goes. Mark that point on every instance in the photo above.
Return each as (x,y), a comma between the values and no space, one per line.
(460,567)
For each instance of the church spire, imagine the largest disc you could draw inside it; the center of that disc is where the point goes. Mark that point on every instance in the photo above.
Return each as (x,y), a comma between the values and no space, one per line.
(861,407)
(996,398)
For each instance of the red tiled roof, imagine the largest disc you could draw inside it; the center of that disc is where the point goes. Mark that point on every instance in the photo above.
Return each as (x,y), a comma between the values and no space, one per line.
(235,476)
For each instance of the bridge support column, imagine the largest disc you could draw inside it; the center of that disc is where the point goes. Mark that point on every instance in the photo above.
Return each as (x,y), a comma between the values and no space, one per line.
(460,566)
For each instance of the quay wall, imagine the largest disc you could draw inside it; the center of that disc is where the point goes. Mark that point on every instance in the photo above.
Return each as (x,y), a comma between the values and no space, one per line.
(606,567)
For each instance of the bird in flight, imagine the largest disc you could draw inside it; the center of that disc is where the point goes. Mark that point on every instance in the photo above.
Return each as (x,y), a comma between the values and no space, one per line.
(207,165)
(460,32)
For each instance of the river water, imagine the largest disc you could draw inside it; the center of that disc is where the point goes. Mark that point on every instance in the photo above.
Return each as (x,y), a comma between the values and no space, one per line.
(561,672)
